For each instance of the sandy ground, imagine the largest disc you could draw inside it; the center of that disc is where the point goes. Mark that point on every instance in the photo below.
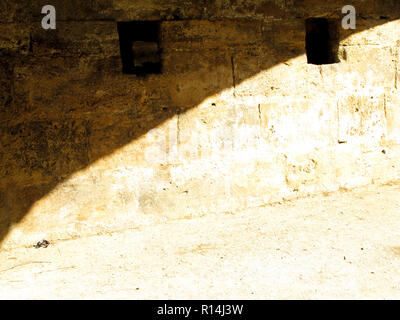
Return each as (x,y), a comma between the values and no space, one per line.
(344,245)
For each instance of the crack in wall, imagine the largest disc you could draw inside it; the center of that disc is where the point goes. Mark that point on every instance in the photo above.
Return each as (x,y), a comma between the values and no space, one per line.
(384,107)
(233,77)
(396,64)
(338,120)
(177,134)
(259,118)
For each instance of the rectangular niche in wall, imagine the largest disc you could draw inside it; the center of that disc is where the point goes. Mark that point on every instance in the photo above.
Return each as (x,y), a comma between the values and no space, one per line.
(322,41)
(140,47)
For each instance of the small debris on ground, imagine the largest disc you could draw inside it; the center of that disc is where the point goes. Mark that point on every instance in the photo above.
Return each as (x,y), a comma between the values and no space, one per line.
(42,244)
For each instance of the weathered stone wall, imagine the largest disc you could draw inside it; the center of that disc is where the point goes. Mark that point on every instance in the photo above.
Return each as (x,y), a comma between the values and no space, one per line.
(236,119)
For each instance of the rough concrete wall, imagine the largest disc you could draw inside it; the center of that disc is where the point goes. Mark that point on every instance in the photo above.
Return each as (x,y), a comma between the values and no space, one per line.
(237,118)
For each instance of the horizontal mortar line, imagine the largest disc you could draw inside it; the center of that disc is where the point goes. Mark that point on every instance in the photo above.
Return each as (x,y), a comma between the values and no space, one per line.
(36,18)
(78,20)
(60,54)
(240,19)
(367,45)
(160,20)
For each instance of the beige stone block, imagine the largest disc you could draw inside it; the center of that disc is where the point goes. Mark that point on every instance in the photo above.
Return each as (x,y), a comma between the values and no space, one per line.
(362,119)
(195,76)
(393,115)
(80,38)
(300,126)
(221,35)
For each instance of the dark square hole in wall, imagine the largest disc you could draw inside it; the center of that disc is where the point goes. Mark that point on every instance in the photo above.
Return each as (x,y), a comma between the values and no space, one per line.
(322,41)
(140,47)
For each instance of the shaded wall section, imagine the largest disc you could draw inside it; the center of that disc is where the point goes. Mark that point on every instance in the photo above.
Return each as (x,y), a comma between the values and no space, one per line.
(237,118)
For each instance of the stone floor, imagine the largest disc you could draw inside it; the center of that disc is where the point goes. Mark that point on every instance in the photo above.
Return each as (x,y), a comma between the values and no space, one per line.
(343,245)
